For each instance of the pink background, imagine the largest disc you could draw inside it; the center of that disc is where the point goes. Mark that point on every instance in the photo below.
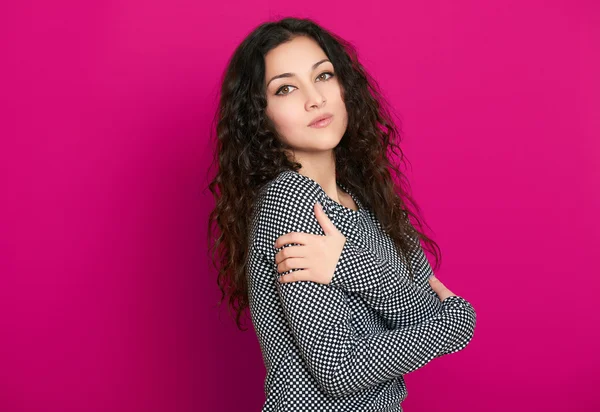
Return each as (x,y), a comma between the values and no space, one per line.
(107,298)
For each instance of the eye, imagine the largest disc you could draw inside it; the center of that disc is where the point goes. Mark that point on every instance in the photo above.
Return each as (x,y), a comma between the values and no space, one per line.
(329,73)
(287,86)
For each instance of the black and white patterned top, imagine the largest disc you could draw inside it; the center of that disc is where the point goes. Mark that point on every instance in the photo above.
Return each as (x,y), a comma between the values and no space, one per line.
(344,346)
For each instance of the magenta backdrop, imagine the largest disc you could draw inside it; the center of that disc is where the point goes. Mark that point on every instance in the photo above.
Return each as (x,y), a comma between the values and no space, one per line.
(107,298)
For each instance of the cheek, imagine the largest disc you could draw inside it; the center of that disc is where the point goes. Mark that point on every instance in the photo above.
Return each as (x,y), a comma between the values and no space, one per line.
(284,116)
(342,97)
(340,108)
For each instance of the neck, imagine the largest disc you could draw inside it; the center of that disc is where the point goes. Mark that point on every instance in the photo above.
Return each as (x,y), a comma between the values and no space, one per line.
(320,167)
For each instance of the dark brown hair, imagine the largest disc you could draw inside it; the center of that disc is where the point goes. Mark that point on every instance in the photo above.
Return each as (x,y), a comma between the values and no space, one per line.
(250,154)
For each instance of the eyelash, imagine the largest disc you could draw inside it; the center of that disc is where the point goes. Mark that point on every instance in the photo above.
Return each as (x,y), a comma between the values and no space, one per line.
(289,85)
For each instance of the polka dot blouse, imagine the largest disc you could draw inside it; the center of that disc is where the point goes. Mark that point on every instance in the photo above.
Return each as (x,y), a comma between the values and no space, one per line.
(344,346)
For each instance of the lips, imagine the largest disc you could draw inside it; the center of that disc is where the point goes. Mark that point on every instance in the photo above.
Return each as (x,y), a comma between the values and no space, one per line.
(319,119)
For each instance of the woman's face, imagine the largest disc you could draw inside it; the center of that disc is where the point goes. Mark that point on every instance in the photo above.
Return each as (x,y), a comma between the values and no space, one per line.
(305,93)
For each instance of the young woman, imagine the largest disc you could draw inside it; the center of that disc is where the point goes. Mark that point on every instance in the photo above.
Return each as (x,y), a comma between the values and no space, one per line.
(315,237)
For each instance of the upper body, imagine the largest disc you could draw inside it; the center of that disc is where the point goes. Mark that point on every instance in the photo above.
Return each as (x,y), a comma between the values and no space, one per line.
(343,346)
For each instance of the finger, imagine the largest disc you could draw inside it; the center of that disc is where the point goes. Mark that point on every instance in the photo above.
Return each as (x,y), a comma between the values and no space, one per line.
(290,252)
(295,276)
(327,225)
(292,237)
(434,282)
(291,263)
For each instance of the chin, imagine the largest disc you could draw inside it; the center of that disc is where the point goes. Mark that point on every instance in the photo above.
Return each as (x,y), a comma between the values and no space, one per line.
(330,143)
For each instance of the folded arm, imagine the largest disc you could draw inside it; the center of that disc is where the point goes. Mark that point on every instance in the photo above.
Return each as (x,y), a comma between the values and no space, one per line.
(388,290)
(343,361)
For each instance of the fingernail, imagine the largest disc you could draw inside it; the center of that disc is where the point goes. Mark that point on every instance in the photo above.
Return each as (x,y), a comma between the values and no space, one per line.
(432,276)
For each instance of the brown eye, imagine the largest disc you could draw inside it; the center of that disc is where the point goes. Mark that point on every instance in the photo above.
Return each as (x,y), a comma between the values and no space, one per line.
(287,86)
(329,73)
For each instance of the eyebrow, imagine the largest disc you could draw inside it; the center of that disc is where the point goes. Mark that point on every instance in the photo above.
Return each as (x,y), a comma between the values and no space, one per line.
(314,66)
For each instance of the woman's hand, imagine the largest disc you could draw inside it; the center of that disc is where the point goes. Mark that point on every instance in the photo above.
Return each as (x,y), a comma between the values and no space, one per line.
(438,287)
(317,255)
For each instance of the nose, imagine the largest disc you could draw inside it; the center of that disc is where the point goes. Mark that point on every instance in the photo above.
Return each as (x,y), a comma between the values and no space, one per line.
(315,98)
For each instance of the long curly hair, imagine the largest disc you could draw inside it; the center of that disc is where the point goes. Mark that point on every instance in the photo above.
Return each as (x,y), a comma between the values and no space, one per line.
(250,154)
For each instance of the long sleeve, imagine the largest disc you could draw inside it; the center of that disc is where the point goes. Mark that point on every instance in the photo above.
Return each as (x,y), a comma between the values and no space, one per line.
(398,301)
(343,362)
(422,270)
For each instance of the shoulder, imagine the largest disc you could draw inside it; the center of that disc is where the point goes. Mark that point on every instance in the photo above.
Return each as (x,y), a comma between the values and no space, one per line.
(289,192)
(285,204)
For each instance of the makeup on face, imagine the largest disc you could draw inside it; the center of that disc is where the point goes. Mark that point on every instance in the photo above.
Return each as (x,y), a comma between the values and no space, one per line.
(322,121)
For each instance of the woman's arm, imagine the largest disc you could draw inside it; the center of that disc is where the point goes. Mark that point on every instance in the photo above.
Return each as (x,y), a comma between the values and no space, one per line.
(397,300)
(342,361)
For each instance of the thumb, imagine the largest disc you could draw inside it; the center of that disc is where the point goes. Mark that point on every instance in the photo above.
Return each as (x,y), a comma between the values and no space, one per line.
(327,225)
